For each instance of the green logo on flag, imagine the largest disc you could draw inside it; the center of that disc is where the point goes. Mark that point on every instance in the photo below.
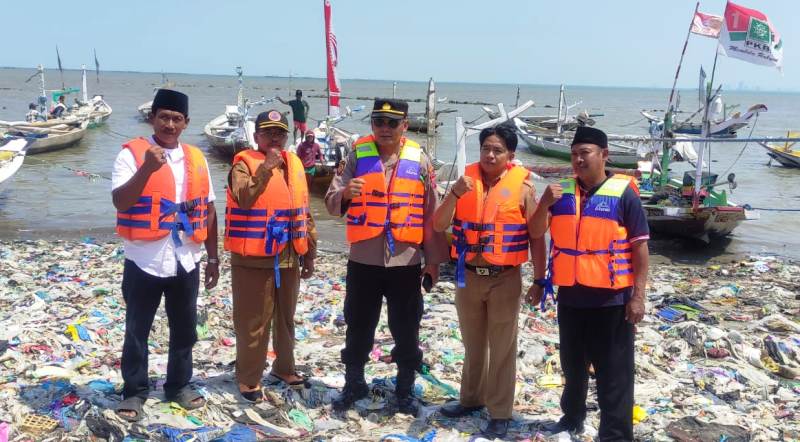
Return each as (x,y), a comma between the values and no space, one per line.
(759,31)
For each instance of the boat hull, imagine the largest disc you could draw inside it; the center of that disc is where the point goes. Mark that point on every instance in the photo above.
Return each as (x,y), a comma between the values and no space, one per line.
(707,224)
(10,166)
(541,146)
(57,142)
(226,140)
(786,159)
(144,110)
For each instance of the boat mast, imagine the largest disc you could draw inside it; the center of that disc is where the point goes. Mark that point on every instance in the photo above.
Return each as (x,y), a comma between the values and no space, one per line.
(430,115)
(560,108)
(43,96)
(83,84)
(240,95)
(666,147)
(705,132)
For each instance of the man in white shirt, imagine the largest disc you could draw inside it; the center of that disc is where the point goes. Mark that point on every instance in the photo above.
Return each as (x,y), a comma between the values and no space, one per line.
(163,215)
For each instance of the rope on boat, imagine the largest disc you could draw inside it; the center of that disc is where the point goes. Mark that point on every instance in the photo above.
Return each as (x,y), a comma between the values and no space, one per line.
(92,176)
(744,147)
(769,209)
(635,122)
(113,132)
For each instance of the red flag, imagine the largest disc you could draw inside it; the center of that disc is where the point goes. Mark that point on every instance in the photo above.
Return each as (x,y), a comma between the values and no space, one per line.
(748,35)
(334,88)
(707,25)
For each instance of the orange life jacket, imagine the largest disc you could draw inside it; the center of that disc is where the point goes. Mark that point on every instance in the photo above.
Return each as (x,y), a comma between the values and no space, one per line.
(279,215)
(494,226)
(396,210)
(591,248)
(156,212)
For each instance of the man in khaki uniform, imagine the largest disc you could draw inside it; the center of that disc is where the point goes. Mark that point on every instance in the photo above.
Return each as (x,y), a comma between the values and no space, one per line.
(262,296)
(489,208)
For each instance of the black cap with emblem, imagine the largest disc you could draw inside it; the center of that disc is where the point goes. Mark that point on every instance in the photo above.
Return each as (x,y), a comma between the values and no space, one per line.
(272,118)
(170,100)
(389,108)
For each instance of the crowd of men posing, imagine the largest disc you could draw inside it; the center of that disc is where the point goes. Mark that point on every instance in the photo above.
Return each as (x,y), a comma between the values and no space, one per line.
(395,225)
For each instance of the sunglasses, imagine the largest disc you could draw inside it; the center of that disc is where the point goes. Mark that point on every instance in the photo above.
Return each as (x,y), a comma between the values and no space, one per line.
(380,122)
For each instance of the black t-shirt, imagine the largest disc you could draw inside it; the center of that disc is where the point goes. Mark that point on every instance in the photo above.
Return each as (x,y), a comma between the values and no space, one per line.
(630,215)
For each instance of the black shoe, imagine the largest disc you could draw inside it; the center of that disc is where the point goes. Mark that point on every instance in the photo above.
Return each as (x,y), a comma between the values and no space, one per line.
(561,426)
(350,394)
(497,428)
(455,409)
(407,405)
(355,388)
(404,383)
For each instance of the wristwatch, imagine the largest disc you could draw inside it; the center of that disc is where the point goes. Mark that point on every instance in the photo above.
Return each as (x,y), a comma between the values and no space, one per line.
(540,282)
(213,260)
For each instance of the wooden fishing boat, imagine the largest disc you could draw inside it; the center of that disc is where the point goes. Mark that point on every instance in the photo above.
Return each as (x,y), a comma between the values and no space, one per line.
(549,144)
(784,153)
(12,155)
(47,139)
(225,133)
(335,145)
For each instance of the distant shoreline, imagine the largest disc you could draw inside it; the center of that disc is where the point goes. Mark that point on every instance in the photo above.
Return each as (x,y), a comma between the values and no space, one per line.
(572,86)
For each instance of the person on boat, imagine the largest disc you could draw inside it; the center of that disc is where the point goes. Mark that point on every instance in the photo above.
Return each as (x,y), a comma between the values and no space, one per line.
(163,193)
(33,114)
(271,236)
(309,152)
(59,108)
(300,110)
(493,195)
(599,261)
(387,193)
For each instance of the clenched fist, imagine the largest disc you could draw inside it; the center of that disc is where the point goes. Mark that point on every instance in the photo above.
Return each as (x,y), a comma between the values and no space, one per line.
(463,185)
(154,158)
(273,159)
(552,193)
(353,189)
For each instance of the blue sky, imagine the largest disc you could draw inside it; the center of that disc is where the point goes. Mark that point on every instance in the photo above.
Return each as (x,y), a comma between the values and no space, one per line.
(577,42)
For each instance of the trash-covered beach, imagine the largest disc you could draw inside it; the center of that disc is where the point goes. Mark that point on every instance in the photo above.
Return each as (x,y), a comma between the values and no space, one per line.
(717,358)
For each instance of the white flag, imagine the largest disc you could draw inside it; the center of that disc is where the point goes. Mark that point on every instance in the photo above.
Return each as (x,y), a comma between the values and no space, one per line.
(707,25)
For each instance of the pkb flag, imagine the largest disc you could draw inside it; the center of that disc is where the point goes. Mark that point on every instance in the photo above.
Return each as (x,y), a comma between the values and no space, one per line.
(748,35)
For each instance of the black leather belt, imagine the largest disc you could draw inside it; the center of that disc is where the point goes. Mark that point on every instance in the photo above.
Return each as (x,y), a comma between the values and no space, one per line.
(487,270)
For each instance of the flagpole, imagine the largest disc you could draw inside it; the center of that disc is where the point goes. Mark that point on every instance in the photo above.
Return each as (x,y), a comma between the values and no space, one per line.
(683,52)
(60,70)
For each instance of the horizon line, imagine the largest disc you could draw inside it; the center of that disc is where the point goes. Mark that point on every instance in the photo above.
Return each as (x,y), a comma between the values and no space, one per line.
(748,89)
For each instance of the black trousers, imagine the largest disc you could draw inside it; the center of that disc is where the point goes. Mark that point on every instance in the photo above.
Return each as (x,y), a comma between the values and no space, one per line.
(366,287)
(142,293)
(602,337)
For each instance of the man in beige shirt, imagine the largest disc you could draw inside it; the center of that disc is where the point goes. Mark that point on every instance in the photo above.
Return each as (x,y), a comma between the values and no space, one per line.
(490,207)
(263,296)
(388,196)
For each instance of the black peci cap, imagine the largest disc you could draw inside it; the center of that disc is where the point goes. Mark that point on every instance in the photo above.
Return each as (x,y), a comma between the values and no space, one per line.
(170,100)
(586,134)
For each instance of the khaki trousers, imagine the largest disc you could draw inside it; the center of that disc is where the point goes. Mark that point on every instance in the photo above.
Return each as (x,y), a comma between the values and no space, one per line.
(257,305)
(487,314)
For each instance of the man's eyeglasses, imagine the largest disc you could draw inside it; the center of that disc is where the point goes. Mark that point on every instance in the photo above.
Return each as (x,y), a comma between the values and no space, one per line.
(380,122)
